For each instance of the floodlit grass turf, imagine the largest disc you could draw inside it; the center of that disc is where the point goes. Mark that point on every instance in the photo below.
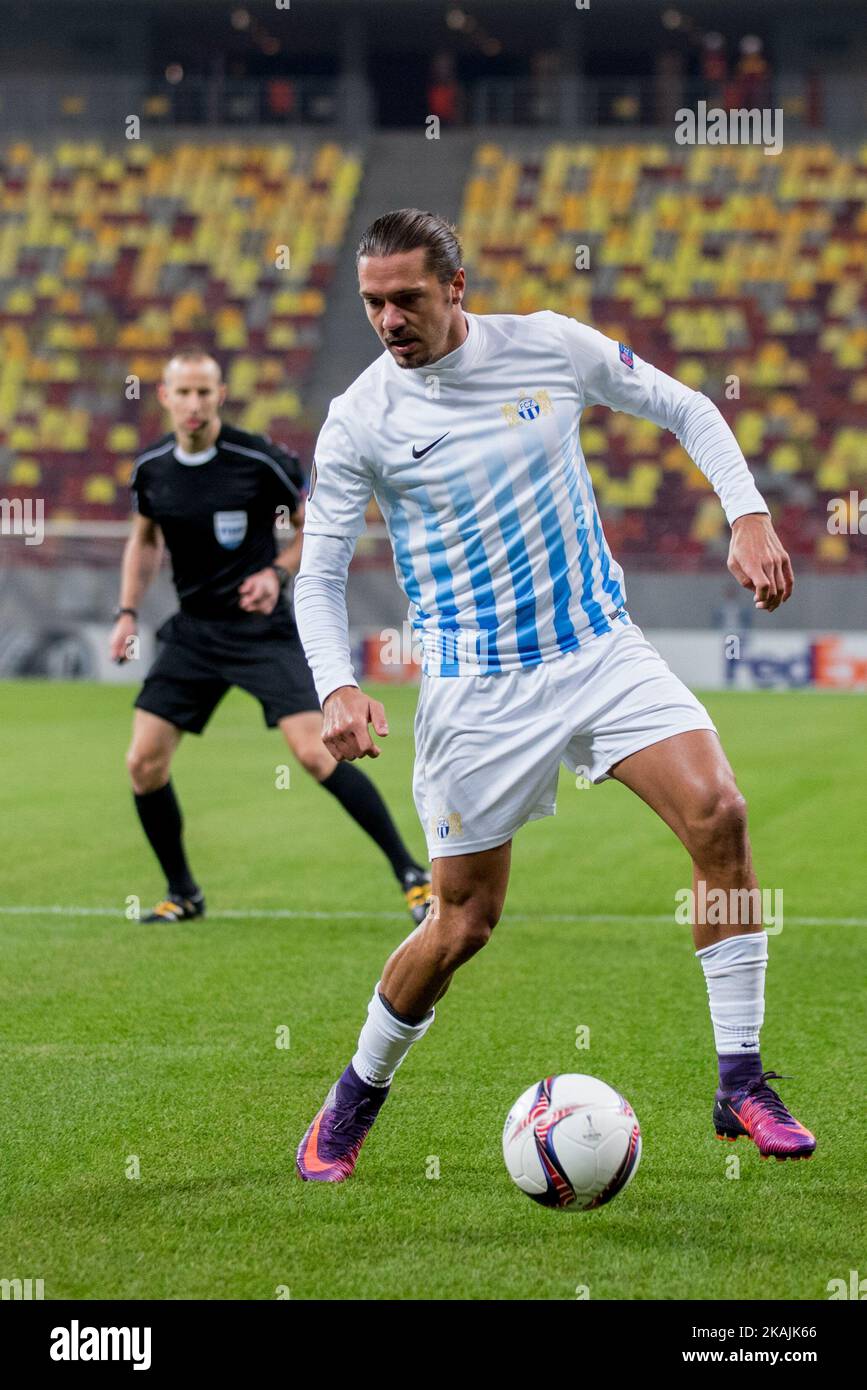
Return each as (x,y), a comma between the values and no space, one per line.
(118,1039)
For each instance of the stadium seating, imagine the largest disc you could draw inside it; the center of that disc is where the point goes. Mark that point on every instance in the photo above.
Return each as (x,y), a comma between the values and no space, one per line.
(743,275)
(110,260)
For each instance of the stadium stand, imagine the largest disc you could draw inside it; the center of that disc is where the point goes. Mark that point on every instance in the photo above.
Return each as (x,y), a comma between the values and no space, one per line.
(109,261)
(743,275)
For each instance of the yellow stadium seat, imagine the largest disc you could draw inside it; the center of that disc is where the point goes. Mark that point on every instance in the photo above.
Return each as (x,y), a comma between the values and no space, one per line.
(709,523)
(99,488)
(121,439)
(785,458)
(25,472)
(832,549)
(749,431)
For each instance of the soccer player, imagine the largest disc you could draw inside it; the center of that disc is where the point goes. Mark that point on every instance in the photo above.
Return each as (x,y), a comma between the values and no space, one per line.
(466,430)
(211,493)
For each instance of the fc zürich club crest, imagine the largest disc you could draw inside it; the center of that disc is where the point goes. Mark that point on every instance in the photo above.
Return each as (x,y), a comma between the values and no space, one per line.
(446,824)
(528,407)
(230,528)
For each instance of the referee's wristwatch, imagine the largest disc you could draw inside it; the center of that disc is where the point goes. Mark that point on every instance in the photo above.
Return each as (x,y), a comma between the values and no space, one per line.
(119,613)
(282,575)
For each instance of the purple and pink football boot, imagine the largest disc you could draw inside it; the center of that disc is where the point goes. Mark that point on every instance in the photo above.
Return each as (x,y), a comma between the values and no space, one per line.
(756,1110)
(330,1148)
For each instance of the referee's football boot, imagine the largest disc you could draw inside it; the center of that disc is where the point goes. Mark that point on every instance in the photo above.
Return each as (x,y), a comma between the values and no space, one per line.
(416,890)
(176,908)
(757,1111)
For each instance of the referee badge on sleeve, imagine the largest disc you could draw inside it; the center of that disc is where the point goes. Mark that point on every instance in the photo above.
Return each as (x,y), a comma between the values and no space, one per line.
(230,528)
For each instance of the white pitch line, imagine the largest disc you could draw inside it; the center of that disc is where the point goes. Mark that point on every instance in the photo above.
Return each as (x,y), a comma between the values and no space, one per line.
(279,914)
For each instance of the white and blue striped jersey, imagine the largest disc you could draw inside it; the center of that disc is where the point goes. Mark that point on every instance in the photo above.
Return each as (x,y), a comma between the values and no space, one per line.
(476,464)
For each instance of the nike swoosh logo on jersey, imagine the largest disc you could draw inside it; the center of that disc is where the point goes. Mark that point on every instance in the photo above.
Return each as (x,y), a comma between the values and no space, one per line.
(420,453)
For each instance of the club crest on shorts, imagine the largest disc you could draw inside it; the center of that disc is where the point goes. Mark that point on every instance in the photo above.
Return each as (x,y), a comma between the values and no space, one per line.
(528,407)
(445,825)
(230,528)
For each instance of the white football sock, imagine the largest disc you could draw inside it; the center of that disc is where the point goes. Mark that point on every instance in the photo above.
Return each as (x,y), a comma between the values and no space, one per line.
(384,1042)
(734,969)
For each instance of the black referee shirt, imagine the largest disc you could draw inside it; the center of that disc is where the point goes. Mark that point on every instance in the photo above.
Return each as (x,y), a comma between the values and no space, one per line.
(216,512)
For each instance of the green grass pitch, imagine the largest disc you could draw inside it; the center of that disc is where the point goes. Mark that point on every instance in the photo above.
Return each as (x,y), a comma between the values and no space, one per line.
(128,1048)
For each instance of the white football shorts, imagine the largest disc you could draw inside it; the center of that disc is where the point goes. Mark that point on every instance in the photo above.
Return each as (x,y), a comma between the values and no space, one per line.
(489,748)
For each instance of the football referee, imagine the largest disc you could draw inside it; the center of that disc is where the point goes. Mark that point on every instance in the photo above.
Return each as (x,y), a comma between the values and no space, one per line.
(209,493)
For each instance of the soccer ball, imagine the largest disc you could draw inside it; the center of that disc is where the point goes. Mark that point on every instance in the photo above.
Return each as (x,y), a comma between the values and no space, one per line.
(571,1142)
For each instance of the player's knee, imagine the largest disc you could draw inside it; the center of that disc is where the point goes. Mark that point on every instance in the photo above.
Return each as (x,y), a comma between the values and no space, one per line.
(465,943)
(719,831)
(148,771)
(464,930)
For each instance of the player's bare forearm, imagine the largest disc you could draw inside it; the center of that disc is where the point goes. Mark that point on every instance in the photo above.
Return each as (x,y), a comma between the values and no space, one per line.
(290,558)
(142,557)
(346,714)
(759,562)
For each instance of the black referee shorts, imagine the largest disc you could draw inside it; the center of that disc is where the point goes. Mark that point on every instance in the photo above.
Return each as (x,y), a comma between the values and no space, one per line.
(201,658)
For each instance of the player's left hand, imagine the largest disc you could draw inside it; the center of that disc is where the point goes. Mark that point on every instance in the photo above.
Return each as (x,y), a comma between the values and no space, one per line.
(758,561)
(259,592)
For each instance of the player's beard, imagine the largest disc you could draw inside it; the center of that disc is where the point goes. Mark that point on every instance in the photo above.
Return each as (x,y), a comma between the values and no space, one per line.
(412,361)
(422,355)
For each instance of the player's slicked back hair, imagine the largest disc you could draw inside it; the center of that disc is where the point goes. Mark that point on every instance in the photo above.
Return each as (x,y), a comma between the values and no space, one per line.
(192,354)
(406,230)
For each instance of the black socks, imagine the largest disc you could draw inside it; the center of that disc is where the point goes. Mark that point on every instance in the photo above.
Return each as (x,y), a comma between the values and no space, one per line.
(357,795)
(163,824)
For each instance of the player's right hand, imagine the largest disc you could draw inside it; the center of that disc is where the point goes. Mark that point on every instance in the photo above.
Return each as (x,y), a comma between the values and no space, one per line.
(125,628)
(758,561)
(346,714)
